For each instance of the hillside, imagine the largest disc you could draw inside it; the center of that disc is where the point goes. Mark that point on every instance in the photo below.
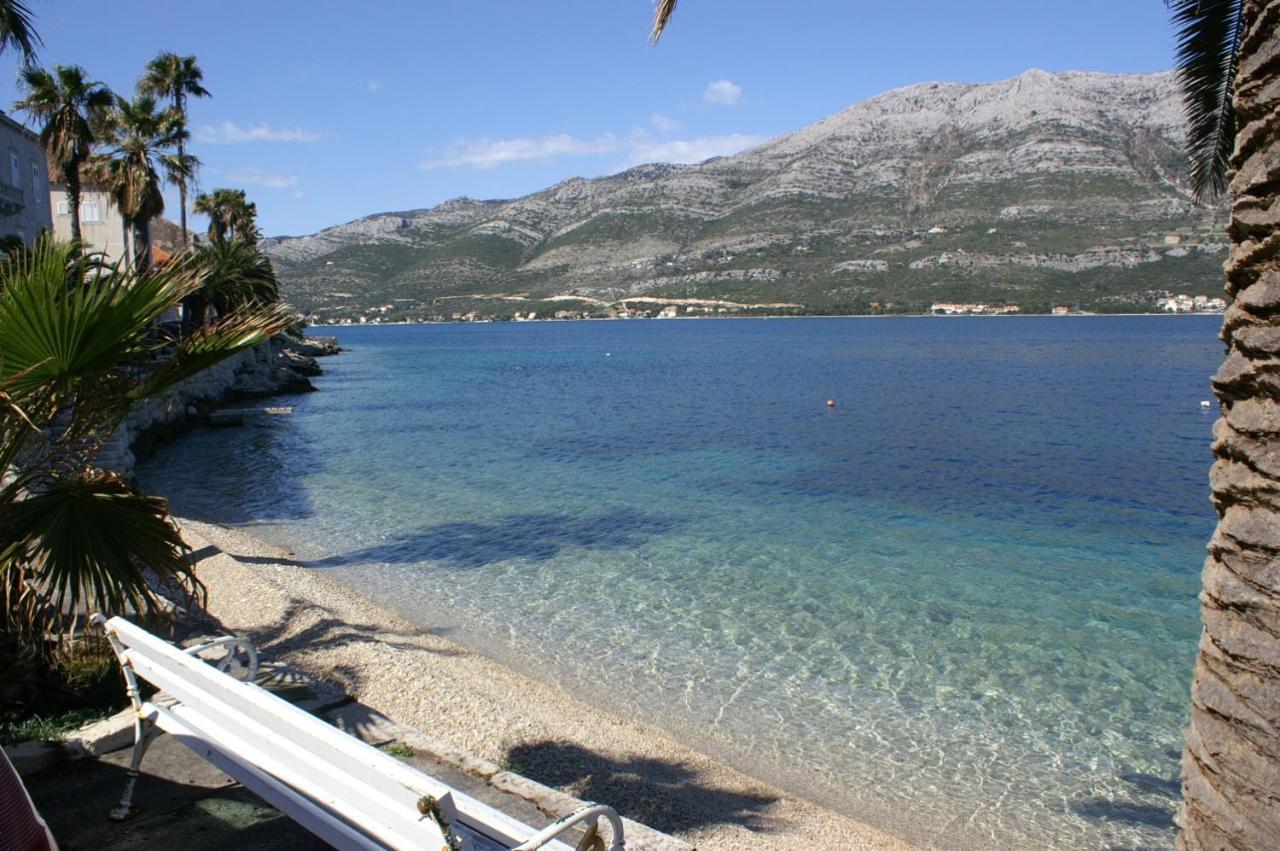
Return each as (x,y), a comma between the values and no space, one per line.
(1040,190)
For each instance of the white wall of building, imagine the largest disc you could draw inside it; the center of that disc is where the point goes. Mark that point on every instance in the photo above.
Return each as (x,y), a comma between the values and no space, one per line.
(24,183)
(101,225)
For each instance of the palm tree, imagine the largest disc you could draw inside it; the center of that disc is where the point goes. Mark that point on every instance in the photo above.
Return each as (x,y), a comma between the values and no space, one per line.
(176,78)
(1229,71)
(78,351)
(231,215)
(142,143)
(234,276)
(213,204)
(66,102)
(16,29)
(244,221)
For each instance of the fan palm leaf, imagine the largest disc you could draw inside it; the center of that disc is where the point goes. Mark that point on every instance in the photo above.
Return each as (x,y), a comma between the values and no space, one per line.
(78,349)
(62,326)
(17,29)
(1208,55)
(213,343)
(94,540)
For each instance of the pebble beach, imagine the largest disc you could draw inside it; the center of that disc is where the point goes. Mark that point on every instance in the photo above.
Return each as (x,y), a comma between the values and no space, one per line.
(480,706)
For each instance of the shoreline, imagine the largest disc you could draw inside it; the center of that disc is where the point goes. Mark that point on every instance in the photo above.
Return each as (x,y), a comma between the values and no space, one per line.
(1078,315)
(483,706)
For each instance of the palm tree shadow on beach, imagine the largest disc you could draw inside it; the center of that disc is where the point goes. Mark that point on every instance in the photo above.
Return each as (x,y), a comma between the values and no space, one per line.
(322,631)
(665,794)
(538,536)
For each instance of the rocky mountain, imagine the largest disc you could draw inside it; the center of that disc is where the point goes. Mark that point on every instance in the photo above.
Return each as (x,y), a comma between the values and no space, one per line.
(1040,190)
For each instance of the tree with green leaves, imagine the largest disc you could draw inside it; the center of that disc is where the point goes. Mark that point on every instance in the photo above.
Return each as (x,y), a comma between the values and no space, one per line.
(67,104)
(141,142)
(17,29)
(78,351)
(176,78)
(231,215)
(235,276)
(1229,71)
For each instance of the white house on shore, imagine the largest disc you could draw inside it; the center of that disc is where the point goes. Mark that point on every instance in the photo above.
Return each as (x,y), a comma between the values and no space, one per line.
(102,228)
(24,183)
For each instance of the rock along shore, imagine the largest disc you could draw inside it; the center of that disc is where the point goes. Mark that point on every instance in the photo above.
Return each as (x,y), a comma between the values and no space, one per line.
(280,366)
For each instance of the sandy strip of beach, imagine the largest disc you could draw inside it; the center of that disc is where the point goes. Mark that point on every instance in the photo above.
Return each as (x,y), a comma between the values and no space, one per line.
(478,705)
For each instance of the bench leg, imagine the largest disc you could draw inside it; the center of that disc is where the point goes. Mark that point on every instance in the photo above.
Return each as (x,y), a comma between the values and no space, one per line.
(144,732)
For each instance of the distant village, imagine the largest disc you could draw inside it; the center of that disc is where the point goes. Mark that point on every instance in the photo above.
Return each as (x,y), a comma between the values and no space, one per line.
(1165,303)
(393,313)
(396,313)
(1191,304)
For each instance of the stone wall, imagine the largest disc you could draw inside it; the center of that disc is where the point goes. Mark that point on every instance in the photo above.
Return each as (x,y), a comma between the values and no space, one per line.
(276,367)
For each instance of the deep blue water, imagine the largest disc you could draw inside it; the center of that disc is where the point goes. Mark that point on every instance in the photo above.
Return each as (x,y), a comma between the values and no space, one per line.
(960,605)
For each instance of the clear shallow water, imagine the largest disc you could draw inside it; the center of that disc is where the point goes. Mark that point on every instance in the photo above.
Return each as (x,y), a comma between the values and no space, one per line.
(960,606)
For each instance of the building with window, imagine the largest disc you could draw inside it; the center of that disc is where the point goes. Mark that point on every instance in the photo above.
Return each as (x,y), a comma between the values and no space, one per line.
(24,183)
(102,228)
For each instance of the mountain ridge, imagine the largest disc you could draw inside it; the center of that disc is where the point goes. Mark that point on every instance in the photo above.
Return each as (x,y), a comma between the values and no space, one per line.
(1045,188)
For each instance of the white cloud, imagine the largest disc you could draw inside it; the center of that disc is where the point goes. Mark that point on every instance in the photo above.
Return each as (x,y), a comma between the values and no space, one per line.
(692,150)
(664,123)
(723,92)
(374,85)
(230,133)
(488,153)
(254,176)
(638,146)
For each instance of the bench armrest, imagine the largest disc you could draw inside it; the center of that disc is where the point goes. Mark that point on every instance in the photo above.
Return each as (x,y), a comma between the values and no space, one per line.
(229,662)
(590,814)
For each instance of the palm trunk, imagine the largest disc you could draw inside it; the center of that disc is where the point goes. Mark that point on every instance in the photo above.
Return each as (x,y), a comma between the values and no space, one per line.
(1231,765)
(182,182)
(72,176)
(182,201)
(141,245)
(125,254)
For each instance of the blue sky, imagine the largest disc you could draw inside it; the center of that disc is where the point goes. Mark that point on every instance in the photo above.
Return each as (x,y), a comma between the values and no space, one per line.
(325,112)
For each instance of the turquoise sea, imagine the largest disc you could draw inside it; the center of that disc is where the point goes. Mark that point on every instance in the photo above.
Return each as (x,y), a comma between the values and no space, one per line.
(960,605)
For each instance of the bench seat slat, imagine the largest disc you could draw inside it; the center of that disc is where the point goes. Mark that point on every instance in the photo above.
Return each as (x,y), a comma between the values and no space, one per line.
(343,785)
(390,823)
(302,809)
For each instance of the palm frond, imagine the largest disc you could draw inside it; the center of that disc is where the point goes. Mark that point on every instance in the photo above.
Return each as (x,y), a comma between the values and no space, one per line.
(173,76)
(1208,37)
(213,343)
(17,29)
(661,14)
(62,323)
(93,540)
(69,106)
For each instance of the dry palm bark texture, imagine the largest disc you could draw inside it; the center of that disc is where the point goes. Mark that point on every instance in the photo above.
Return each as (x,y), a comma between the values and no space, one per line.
(1231,767)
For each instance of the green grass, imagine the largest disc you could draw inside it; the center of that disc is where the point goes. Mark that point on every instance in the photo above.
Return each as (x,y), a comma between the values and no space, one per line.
(399,750)
(49,728)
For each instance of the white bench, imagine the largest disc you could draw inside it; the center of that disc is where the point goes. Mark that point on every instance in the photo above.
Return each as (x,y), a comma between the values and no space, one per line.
(347,793)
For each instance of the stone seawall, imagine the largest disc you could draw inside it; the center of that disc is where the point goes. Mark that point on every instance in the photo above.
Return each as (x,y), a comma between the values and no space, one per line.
(278,366)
